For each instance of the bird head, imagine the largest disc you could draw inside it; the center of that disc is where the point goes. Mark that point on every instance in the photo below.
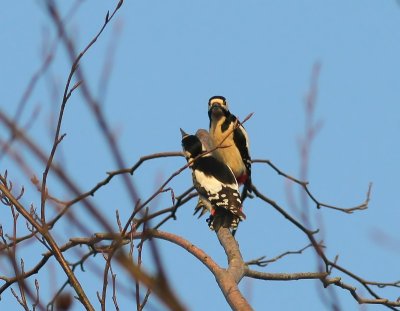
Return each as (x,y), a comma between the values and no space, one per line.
(191,145)
(217,107)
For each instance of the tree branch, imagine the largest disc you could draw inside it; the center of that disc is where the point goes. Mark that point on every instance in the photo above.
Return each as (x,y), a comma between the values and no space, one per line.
(305,186)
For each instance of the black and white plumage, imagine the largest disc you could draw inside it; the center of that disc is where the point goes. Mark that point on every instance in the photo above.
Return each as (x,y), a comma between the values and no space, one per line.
(227,132)
(208,145)
(215,183)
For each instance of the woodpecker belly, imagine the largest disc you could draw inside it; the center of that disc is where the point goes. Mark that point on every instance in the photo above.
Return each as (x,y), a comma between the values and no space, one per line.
(228,153)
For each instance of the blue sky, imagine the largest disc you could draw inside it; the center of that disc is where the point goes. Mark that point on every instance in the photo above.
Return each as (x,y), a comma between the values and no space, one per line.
(167,58)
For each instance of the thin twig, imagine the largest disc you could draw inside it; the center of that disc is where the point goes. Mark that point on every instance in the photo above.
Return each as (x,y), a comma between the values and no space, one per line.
(305,186)
(262,262)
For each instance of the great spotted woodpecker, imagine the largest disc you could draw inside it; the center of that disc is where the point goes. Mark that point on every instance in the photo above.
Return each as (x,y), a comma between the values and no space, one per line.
(227,132)
(215,183)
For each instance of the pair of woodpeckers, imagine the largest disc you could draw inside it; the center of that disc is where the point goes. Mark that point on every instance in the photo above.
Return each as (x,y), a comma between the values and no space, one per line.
(220,162)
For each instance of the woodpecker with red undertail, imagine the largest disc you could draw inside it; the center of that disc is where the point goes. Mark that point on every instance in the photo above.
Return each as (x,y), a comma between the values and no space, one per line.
(215,183)
(226,131)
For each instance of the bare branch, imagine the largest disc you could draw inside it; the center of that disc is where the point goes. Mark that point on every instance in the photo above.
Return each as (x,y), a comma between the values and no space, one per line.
(286,276)
(53,245)
(305,186)
(358,298)
(230,278)
(262,262)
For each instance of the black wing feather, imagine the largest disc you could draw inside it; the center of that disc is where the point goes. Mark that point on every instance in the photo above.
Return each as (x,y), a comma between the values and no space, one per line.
(210,166)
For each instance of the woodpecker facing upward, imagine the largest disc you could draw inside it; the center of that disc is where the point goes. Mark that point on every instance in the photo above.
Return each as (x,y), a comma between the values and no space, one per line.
(215,183)
(226,131)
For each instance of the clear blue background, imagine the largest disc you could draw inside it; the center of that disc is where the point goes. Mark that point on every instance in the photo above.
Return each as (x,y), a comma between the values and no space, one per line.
(167,58)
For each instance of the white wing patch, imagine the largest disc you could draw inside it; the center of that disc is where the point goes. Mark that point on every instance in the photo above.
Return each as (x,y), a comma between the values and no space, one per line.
(211,184)
(219,195)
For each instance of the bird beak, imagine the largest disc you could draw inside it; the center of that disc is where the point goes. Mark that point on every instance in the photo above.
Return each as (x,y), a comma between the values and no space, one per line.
(216,111)
(183,133)
(216,108)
